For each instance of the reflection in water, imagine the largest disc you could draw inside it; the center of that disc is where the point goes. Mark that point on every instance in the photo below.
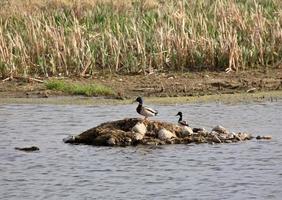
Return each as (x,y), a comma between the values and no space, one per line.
(228,171)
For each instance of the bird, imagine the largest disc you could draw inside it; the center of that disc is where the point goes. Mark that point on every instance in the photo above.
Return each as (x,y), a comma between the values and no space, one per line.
(143,110)
(180,121)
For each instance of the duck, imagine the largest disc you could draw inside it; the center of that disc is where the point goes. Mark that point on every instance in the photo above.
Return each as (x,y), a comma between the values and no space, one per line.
(180,121)
(143,110)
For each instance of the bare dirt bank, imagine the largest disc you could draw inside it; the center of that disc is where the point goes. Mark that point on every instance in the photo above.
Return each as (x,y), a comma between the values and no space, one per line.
(159,84)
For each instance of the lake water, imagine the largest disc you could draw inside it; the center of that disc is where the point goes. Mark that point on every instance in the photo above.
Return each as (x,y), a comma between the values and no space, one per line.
(246,170)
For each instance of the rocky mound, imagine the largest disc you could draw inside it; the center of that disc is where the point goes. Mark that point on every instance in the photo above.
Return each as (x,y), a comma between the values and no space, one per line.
(134,131)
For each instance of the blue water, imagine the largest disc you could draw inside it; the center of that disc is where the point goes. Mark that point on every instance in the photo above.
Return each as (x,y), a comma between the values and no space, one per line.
(246,170)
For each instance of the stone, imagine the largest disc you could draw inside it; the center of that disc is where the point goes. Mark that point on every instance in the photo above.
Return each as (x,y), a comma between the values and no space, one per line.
(236,137)
(140,128)
(138,136)
(164,134)
(215,137)
(186,130)
(220,129)
(127,141)
(69,139)
(111,141)
(196,130)
(139,131)
(244,136)
(230,136)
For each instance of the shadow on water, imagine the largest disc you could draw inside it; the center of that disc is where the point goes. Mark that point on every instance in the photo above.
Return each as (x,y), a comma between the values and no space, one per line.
(244,170)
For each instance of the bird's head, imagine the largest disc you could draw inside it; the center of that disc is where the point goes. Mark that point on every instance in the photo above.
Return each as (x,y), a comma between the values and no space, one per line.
(139,100)
(179,114)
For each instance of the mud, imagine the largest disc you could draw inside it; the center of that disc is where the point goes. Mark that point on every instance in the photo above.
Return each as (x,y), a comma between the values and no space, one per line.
(158,84)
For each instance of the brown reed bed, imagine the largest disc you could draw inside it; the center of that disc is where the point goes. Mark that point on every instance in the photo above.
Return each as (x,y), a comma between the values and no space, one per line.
(78,38)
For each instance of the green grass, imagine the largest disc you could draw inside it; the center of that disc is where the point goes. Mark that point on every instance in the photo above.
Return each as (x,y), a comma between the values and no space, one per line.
(78,88)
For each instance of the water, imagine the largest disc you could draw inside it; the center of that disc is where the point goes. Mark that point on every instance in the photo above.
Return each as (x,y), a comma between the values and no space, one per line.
(247,170)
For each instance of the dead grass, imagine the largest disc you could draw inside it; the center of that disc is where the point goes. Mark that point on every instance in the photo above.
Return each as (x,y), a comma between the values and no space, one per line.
(76,38)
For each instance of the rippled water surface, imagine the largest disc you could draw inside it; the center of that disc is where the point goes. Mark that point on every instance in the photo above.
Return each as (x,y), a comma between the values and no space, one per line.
(247,170)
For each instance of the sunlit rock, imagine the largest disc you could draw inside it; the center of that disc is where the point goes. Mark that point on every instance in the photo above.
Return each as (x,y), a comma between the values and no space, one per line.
(140,128)
(111,141)
(139,131)
(186,130)
(220,129)
(138,136)
(164,134)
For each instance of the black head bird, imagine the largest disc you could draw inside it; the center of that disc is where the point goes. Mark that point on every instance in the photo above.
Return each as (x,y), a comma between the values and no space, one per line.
(180,120)
(143,110)
(139,100)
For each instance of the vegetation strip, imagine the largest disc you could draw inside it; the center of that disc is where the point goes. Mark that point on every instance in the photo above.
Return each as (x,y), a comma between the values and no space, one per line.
(225,98)
(58,37)
(78,88)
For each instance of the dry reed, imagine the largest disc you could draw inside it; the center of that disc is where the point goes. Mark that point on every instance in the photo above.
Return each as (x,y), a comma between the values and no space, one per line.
(73,38)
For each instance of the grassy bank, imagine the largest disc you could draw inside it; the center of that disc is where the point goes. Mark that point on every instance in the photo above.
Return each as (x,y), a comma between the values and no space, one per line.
(225,98)
(79,88)
(72,38)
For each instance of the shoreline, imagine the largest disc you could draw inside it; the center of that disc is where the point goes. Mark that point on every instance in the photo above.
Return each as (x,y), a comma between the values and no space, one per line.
(270,96)
(164,88)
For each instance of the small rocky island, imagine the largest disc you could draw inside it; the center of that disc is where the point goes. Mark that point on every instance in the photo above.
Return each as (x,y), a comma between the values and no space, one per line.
(136,131)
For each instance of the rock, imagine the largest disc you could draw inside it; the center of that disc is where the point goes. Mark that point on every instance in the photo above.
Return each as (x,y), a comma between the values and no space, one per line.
(164,134)
(69,139)
(111,141)
(230,136)
(225,136)
(237,138)
(196,130)
(198,139)
(244,136)
(140,128)
(138,136)
(266,137)
(28,149)
(139,131)
(186,130)
(220,129)
(216,139)
(127,141)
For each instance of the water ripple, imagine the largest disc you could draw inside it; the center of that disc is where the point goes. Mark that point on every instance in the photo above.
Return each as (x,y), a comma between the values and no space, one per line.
(247,170)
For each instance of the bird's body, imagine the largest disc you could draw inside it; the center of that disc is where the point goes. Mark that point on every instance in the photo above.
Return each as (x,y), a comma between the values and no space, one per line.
(181,121)
(143,110)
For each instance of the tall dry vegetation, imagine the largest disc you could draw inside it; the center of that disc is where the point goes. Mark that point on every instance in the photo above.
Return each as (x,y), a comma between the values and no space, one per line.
(71,37)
